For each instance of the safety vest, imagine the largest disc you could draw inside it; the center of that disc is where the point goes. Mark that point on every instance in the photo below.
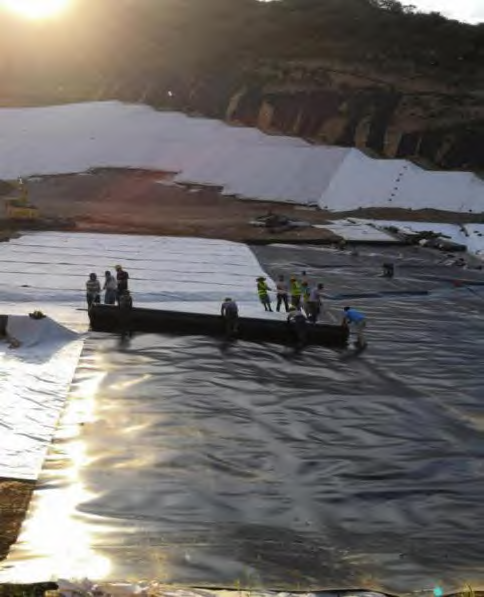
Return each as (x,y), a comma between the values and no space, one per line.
(295,288)
(262,288)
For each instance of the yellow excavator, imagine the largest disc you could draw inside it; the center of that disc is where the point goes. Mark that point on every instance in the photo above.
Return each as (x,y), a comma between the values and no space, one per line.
(19,208)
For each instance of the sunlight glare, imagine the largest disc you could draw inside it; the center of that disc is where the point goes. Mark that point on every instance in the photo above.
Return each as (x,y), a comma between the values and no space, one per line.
(36,9)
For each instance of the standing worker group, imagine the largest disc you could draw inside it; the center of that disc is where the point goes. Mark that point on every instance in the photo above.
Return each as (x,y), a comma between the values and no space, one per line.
(298,293)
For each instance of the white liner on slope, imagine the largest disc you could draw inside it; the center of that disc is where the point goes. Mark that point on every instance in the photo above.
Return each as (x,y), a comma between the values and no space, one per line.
(365,182)
(242,161)
(285,173)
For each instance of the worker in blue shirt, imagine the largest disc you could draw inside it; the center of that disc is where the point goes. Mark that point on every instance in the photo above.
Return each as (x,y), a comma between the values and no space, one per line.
(357,320)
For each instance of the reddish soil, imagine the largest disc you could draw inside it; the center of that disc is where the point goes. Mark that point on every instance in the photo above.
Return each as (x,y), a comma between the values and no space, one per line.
(134,201)
(141,202)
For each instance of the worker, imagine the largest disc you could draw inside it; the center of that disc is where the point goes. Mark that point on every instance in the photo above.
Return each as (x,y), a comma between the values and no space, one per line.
(297,327)
(230,313)
(93,291)
(354,318)
(388,270)
(125,301)
(314,303)
(295,291)
(304,277)
(282,294)
(305,293)
(110,288)
(122,278)
(263,292)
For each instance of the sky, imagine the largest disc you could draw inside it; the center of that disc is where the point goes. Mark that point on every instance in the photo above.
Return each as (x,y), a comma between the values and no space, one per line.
(471,11)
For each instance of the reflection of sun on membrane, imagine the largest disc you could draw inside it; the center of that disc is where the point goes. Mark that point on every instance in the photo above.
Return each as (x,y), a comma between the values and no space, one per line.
(35,9)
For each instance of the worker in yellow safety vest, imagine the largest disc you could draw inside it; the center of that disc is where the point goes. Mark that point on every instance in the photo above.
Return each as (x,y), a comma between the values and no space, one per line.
(263,292)
(295,292)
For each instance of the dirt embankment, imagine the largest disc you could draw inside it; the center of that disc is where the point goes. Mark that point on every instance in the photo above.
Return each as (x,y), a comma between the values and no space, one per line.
(141,202)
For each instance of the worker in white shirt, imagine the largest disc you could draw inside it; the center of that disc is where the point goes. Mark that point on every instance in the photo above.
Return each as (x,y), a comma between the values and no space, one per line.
(314,303)
(110,288)
(282,294)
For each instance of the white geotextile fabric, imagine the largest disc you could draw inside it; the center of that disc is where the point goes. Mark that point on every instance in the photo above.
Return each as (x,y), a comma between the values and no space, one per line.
(475,239)
(451,232)
(242,161)
(365,182)
(469,235)
(48,271)
(186,274)
(34,380)
(356,230)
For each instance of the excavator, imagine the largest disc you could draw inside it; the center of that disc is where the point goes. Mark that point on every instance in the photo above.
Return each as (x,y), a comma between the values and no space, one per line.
(20,208)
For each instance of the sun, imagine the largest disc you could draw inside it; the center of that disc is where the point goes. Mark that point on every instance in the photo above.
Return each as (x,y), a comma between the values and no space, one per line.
(36,9)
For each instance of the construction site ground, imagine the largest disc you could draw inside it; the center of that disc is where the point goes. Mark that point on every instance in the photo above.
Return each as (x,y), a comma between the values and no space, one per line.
(140,202)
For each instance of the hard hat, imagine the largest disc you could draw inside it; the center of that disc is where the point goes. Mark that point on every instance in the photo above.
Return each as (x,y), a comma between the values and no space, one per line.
(117,267)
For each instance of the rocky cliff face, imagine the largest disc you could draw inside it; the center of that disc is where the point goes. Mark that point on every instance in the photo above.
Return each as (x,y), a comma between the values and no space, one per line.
(417,119)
